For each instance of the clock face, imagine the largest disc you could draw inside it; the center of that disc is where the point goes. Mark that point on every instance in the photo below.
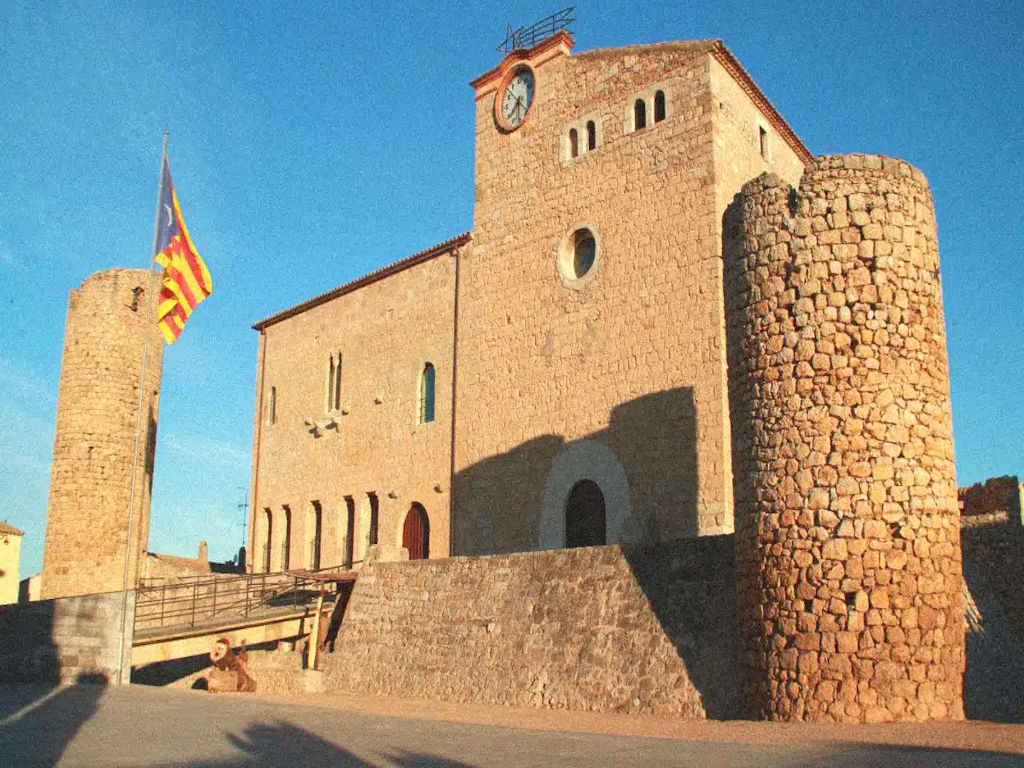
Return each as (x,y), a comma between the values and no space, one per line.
(516,99)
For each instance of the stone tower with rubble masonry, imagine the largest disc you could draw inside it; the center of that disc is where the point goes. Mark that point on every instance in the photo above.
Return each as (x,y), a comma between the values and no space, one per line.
(847,529)
(97,409)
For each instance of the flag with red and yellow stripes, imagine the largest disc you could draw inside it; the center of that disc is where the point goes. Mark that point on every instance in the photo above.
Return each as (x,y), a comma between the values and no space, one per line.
(186,281)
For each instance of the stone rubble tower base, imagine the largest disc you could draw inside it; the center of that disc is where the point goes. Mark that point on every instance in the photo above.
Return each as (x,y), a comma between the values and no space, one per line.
(847,534)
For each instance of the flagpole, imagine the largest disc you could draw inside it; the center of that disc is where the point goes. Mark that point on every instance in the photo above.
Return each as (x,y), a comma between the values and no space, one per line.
(147,331)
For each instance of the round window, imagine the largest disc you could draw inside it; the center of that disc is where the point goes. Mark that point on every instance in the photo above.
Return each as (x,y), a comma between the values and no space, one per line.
(578,257)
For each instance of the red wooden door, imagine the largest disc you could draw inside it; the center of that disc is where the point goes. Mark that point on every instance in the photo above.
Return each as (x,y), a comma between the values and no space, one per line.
(416,533)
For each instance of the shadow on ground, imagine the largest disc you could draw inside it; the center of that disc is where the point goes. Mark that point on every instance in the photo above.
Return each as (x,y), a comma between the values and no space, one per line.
(283,744)
(39,722)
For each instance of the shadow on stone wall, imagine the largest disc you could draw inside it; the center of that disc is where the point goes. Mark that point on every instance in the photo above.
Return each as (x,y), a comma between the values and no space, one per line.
(994,606)
(496,502)
(184,671)
(689,585)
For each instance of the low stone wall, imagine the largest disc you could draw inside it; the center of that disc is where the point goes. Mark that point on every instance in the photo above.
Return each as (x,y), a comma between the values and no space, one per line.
(275,671)
(599,628)
(66,640)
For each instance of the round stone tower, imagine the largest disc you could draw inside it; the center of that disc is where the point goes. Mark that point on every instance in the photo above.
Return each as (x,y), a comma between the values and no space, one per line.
(97,412)
(847,530)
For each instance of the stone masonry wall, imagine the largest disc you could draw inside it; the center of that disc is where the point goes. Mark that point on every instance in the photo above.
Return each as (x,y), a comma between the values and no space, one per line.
(598,628)
(385,332)
(65,640)
(97,411)
(848,550)
(544,366)
(996,496)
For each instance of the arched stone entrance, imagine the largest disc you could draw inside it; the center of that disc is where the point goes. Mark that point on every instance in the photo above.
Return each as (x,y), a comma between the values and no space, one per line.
(585,524)
(583,460)
(416,533)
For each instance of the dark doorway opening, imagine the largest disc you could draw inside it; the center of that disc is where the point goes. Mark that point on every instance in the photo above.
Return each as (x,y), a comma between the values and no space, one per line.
(585,516)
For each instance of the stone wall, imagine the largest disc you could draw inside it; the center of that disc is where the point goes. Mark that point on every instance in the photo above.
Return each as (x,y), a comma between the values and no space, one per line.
(65,640)
(993,550)
(997,496)
(546,364)
(371,449)
(848,548)
(97,416)
(598,628)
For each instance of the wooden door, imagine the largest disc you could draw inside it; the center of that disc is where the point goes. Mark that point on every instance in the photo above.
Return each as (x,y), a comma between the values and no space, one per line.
(416,533)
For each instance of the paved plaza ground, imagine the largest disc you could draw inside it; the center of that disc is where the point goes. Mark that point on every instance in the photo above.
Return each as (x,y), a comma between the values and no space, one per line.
(142,726)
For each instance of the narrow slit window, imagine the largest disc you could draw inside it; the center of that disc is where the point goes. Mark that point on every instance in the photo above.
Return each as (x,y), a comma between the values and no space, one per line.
(337,384)
(639,115)
(334,383)
(591,136)
(574,143)
(659,106)
(763,140)
(427,394)
(272,407)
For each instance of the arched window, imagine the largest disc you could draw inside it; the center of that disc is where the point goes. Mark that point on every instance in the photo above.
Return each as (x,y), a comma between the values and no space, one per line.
(416,532)
(639,115)
(585,515)
(350,531)
(659,106)
(574,143)
(313,534)
(286,539)
(591,136)
(269,525)
(371,530)
(427,394)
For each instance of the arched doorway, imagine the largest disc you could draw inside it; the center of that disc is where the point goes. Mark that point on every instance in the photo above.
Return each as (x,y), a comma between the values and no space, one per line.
(416,533)
(585,515)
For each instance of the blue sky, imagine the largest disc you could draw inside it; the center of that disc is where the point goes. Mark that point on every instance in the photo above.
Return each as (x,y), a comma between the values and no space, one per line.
(311,143)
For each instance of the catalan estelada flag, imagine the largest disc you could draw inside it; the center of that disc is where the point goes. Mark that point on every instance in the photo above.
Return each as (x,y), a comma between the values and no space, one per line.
(186,280)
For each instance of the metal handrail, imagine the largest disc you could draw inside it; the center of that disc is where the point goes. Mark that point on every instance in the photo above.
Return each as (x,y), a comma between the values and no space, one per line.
(185,602)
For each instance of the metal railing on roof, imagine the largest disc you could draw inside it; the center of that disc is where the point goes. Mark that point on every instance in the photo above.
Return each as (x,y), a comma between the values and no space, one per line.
(527,37)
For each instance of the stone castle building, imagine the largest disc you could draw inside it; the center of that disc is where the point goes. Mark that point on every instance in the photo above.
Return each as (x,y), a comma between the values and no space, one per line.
(668,321)
(98,434)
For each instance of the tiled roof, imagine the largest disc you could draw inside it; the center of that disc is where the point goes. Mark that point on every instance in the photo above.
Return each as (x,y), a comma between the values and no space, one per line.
(10,530)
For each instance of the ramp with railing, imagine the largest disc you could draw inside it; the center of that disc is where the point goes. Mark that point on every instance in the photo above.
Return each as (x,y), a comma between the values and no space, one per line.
(183,617)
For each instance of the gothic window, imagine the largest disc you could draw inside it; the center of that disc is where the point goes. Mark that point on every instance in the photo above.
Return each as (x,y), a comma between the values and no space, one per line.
(427,394)
(659,106)
(639,115)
